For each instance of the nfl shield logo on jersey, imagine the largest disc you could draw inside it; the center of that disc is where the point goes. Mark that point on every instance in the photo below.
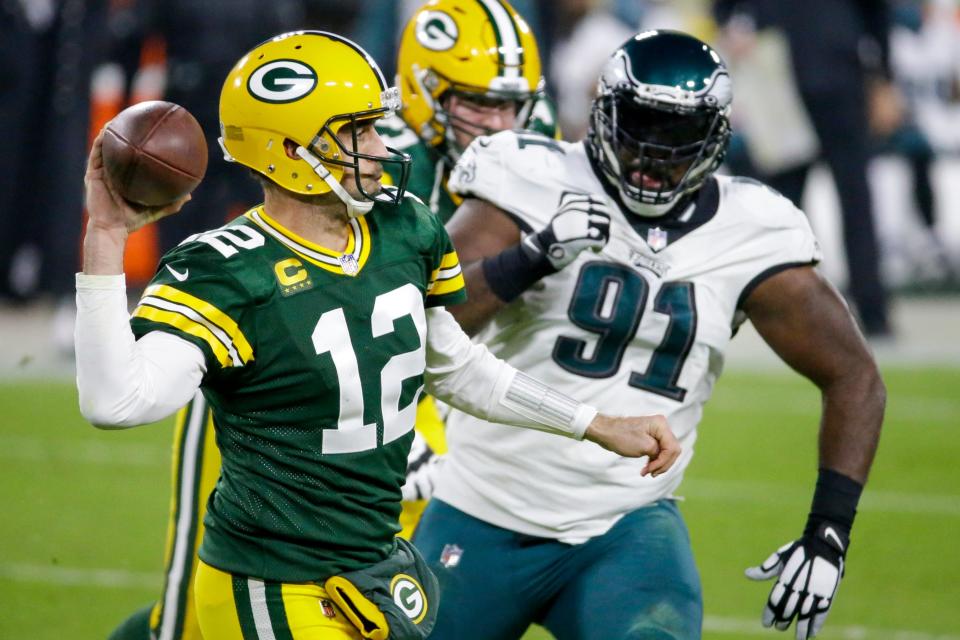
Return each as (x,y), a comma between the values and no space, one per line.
(450,556)
(349,264)
(656,238)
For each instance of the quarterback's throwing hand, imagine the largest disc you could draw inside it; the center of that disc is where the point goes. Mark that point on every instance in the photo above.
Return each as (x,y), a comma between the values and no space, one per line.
(808,573)
(636,437)
(106,209)
(582,222)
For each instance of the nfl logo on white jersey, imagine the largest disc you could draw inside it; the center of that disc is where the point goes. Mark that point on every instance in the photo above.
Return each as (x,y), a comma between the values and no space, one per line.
(656,238)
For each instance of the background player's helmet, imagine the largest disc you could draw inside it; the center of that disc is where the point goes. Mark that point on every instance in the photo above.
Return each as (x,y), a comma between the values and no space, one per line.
(662,104)
(305,86)
(481,48)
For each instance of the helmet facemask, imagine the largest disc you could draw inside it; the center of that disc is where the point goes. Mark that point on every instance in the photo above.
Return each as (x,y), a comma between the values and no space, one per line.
(449,124)
(350,157)
(655,152)
(321,152)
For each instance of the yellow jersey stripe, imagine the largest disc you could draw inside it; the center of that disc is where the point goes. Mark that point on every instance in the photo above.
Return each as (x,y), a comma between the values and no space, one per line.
(208,311)
(217,332)
(443,287)
(449,260)
(364,240)
(444,275)
(186,325)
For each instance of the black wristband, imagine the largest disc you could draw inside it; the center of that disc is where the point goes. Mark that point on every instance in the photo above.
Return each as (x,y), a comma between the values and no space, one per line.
(514,270)
(835,500)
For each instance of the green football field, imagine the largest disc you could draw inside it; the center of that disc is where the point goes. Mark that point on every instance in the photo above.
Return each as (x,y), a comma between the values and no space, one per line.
(85,510)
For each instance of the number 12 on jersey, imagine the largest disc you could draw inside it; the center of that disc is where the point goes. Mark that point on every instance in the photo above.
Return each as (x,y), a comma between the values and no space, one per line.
(609,300)
(330,335)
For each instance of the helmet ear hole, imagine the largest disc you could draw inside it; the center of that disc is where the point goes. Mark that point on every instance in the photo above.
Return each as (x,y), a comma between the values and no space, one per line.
(290,148)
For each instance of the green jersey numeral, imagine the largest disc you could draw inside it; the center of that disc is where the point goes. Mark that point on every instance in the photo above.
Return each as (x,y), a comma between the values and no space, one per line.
(609,300)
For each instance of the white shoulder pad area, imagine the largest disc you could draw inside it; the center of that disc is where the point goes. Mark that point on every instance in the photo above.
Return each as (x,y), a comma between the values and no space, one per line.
(518,171)
(755,204)
(758,202)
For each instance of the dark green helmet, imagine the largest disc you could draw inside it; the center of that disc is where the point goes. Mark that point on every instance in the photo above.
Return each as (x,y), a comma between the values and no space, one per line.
(658,126)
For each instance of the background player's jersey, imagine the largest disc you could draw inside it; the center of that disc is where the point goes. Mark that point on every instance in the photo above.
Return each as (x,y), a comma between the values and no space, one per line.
(314,363)
(429,171)
(639,328)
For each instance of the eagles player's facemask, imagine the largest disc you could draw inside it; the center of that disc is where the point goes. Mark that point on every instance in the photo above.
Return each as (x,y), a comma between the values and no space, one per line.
(479,49)
(304,87)
(659,124)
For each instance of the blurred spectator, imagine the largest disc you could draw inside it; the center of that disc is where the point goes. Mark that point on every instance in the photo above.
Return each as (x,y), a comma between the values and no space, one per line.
(838,52)
(585,33)
(49,48)
(925,56)
(689,16)
(926,59)
(377,29)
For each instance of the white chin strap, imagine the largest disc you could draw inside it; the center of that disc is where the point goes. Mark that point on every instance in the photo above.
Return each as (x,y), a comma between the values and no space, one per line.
(355,208)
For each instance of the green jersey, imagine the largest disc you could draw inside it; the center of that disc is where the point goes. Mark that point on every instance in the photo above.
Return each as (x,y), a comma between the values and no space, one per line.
(314,360)
(429,169)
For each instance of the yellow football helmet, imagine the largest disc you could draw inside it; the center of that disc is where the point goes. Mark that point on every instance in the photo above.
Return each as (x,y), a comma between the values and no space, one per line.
(305,86)
(482,48)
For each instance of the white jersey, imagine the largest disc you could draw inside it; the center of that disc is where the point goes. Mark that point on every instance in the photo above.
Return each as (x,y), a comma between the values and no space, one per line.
(639,328)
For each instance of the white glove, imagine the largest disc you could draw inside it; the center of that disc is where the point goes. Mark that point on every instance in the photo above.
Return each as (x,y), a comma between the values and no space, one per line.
(809,571)
(423,464)
(582,222)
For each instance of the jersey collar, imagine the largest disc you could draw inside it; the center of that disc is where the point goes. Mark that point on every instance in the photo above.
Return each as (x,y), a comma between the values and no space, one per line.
(348,262)
(679,221)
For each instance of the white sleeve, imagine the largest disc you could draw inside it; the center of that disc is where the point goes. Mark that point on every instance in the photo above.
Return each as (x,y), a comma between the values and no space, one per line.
(468,377)
(122,381)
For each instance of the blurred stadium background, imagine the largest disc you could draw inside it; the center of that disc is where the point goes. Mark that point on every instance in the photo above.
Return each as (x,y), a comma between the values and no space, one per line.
(81,542)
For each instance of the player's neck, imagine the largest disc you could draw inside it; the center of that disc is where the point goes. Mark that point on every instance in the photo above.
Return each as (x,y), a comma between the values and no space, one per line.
(325,223)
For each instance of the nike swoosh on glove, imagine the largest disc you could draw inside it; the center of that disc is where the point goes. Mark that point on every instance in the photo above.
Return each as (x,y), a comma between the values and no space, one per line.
(808,573)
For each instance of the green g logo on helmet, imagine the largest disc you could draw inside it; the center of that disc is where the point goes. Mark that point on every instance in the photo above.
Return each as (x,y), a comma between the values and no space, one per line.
(282,81)
(436,30)
(409,596)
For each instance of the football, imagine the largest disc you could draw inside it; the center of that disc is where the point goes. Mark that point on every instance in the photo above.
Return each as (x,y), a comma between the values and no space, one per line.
(154,153)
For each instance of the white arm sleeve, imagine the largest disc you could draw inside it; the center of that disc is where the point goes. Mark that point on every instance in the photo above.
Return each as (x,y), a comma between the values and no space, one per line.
(467,376)
(122,381)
